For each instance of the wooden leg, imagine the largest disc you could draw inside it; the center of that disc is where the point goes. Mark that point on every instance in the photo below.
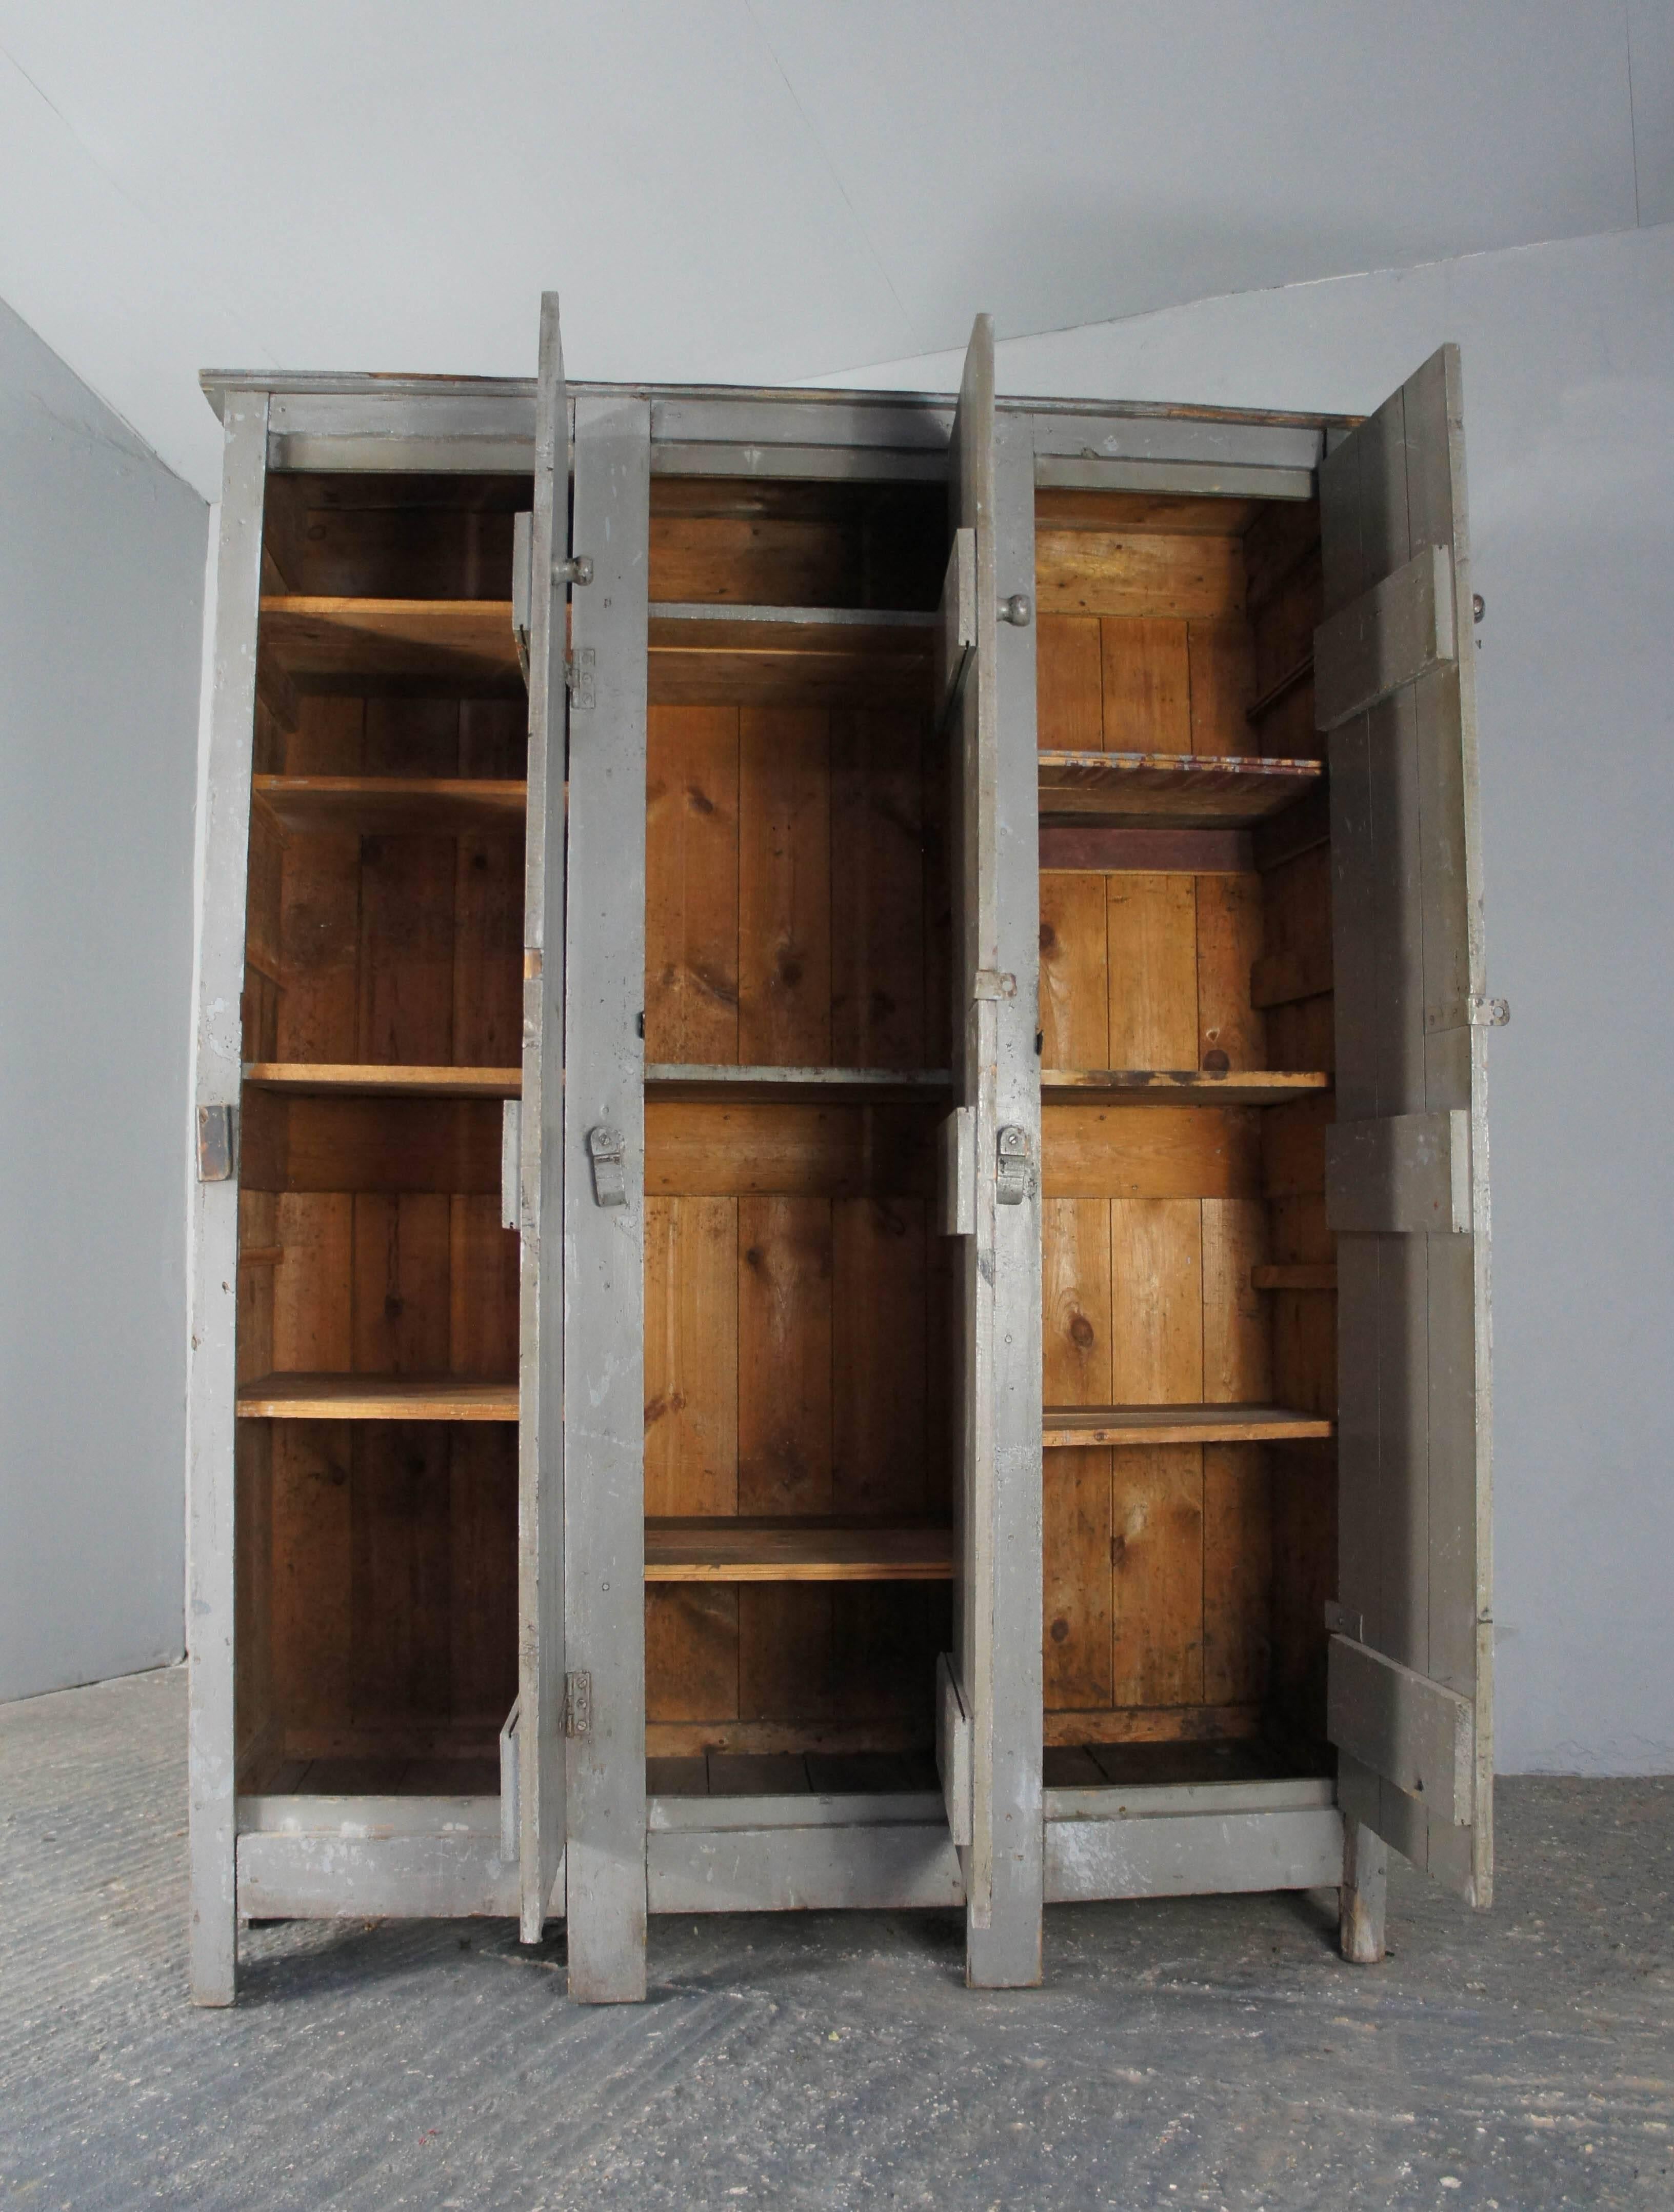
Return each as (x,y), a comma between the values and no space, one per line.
(1361,1900)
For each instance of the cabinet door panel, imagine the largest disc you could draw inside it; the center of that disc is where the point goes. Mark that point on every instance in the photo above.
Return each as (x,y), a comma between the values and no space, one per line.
(602,1258)
(997,1506)
(1410,1698)
(540,1741)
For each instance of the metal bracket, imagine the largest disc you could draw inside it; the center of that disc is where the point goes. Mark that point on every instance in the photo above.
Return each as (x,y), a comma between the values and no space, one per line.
(958,1185)
(578,1704)
(1014,1171)
(1339,1622)
(578,675)
(993,983)
(508,1786)
(604,1150)
(511,1163)
(578,569)
(1019,609)
(217,1143)
(523,553)
(1489,1013)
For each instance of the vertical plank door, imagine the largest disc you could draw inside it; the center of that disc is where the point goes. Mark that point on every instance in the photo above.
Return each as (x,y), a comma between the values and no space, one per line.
(217,1070)
(991,1691)
(1411,1689)
(540,1516)
(603,1199)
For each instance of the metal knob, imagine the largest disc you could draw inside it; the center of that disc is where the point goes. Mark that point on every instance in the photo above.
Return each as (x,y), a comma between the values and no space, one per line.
(1018,609)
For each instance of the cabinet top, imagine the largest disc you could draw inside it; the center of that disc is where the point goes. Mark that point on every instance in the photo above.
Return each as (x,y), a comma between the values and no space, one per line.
(370,422)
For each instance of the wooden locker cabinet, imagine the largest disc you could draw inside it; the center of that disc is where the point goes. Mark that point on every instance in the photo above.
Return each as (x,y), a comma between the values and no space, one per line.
(840,1255)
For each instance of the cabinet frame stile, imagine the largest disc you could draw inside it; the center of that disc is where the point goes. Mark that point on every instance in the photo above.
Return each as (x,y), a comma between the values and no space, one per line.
(212,1350)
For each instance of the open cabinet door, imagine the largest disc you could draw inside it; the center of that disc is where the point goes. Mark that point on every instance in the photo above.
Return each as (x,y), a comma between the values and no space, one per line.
(540,1739)
(1409,1697)
(603,1260)
(989,1722)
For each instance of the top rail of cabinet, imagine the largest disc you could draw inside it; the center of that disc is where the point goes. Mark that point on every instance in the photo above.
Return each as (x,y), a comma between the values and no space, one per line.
(486,425)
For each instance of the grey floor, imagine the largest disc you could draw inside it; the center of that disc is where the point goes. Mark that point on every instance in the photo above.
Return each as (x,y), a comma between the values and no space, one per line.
(1204,2053)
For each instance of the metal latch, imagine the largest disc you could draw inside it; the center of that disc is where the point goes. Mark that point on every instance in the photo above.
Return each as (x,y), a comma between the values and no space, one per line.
(604,1150)
(578,675)
(216,1150)
(578,1704)
(1014,1173)
(1490,1013)
(578,569)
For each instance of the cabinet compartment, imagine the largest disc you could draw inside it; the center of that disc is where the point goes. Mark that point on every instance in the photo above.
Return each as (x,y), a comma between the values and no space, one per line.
(798,1401)
(1184,1581)
(377,1345)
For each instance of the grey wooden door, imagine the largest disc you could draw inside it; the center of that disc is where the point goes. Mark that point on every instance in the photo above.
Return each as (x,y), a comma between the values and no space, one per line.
(991,1729)
(603,1154)
(1410,1673)
(540,1208)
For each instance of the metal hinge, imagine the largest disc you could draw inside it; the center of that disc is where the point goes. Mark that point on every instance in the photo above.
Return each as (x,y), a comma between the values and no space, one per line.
(578,1704)
(578,675)
(1489,1013)
(578,569)
(604,1150)
(1014,1173)
(218,1153)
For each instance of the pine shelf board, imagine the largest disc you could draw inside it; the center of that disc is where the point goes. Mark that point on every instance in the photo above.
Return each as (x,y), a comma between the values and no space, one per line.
(1181,791)
(1181,1086)
(334,643)
(1067,1427)
(334,1078)
(816,1086)
(375,1398)
(725,1551)
(415,805)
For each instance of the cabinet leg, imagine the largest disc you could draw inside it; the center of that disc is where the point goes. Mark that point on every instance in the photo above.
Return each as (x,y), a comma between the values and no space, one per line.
(1360,1900)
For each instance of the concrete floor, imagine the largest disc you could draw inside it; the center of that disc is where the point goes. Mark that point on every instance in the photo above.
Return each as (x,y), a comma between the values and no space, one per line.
(1210,2053)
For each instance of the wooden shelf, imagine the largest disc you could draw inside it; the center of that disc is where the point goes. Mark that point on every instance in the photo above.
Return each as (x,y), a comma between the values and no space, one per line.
(1180,1086)
(817,1086)
(414,805)
(375,1398)
(328,1078)
(339,644)
(1070,1426)
(702,652)
(1182,790)
(718,1551)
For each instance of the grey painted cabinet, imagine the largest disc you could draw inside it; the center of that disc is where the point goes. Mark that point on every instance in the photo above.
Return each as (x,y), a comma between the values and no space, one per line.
(841,1256)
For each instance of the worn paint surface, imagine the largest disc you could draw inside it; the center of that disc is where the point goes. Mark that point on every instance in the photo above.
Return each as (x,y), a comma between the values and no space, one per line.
(1204,2053)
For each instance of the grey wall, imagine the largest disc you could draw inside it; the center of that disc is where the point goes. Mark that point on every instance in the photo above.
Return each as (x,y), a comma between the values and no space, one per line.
(102,573)
(1569,353)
